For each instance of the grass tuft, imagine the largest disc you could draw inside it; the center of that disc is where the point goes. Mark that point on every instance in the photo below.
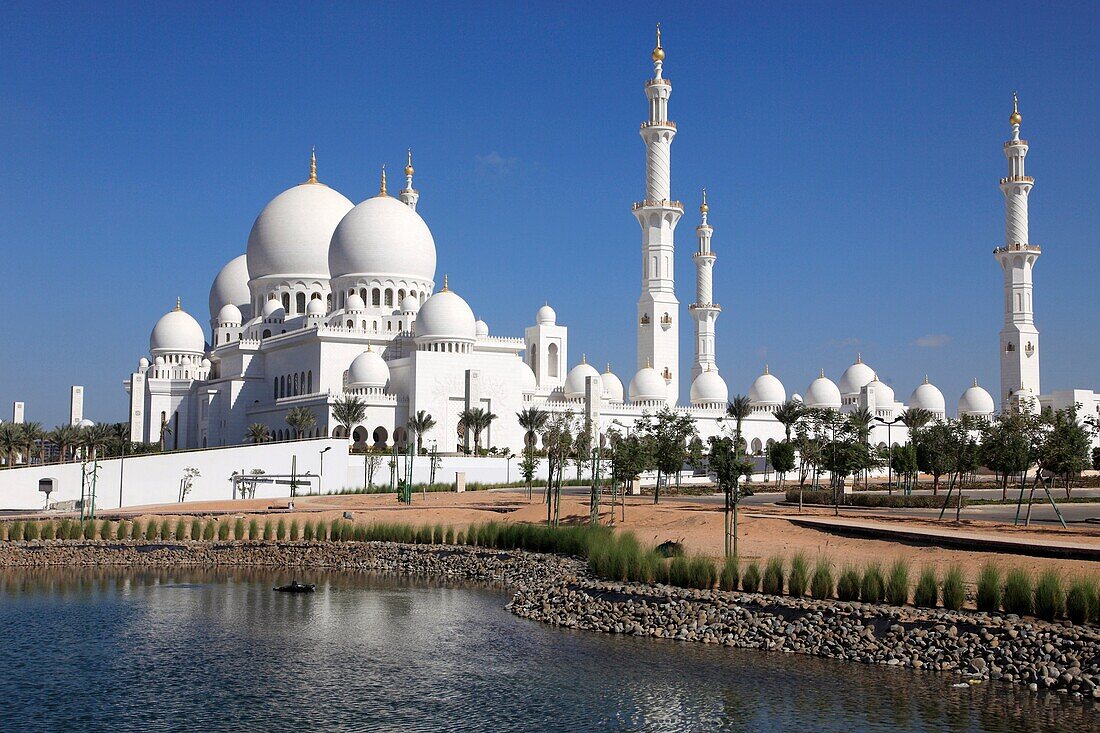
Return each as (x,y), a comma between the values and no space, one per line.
(1049,596)
(988,597)
(730,575)
(954,589)
(773,576)
(821,584)
(750,580)
(799,579)
(847,585)
(1081,601)
(927,592)
(1017,596)
(897,583)
(872,587)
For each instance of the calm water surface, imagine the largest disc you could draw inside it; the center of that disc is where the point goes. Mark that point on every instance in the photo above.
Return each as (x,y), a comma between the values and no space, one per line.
(184,650)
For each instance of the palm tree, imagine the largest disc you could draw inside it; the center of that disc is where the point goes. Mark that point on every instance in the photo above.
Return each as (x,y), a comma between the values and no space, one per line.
(165,429)
(419,424)
(95,437)
(301,419)
(9,442)
(31,436)
(64,437)
(257,433)
(477,419)
(861,420)
(739,409)
(532,420)
(788,414)
(348,411)
(916,418)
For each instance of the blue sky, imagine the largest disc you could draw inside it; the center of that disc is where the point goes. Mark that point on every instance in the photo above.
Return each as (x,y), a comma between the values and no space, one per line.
(851,153)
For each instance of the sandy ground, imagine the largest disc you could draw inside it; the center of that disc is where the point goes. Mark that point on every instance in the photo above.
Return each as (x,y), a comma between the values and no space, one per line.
(763,531)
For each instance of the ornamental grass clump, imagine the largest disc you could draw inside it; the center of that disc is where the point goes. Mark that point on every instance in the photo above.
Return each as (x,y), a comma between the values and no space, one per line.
(320,532)
(799,578)
(439,535)
(152,530)
(122,530)
(15,532)
(181,530)
(208,531)
(135,530)
(954,589)
(223,530)
(238,529)
(872,587)
(847,585)
(269,530)
(678,571)
(1081,601)
(166,530)
(280,530)
(750,579)
(927,592)
(30,531)
(63,530)
(703,574)
(460,538)
(48,531)
(988,597)
(1017,596)
(253,530)
(897,583)
(730,575)
(1049,595)
(773,576)
(293,531)
(821,584)
(196,528)
(307,531)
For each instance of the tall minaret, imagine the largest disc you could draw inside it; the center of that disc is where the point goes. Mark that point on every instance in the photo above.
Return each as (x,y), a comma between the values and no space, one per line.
(409,195)
(658,309)
(1019,336)
(704,310)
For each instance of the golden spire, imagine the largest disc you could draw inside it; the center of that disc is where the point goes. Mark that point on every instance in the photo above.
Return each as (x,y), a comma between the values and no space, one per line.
(382,190)
(313,166)
(409,166)
(926,379)
(1015,119)
(179,303)
(608,370)
(658,52)
(648,363)
(975,381)
(822,376)
(859,357)
(444,283)
(766,369)
(703,208)
(584,358)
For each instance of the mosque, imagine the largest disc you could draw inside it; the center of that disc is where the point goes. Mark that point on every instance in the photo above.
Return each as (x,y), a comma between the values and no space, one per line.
(333,298)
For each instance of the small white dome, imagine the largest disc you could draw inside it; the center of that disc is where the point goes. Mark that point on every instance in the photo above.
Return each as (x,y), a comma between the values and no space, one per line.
(85,423)
(527,381)
(612,386)
(382,237)
(822,392)
(796,398)
(291,236)
(976,401)
(884,394)
(445,316)
(185,361)
(143,363)
(159,361)
(231,286)
(273,310)
(410,304)
(368,370)
(229,315)
(856,377)
(205,363)
(354,303)
(709,388)
(575,380)
(928,397)
(481,328)
(648,386)
(766,390)
(177,332)
(316,307)
(546,316)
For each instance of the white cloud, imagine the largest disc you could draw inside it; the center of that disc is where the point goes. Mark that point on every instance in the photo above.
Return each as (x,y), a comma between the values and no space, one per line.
(495,164)
(933,341)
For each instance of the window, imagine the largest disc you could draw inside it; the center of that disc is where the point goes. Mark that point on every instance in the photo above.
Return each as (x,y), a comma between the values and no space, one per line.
(286,303)
(350,323)
(376,297)
(552,360)
(275,396)
(309,381)
(363,294)
(267,333)
(400,296)
(300,301)
(389,296)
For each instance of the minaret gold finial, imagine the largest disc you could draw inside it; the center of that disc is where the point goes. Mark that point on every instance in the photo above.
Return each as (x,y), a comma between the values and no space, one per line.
(859,357)
(584,358)
(444,283)
(926,379)
(1015,119)
(409,166)
(382,191)
(822,375)
(975,381)
(704,208)
(766,369)
(179,303)
(608,370)
(313,166)
(658,52)
(648,363)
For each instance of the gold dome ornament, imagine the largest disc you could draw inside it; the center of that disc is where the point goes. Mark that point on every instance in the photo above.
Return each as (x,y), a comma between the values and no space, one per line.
(658,52)
(313,166)
(1015,119)
(382,189)
(703,208)
(409,166)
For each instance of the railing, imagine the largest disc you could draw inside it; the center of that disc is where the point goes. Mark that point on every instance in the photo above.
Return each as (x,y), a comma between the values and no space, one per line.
(1017,179)
(665,81)
(1010,143)
(666,123)
(661,203)
(1018,248)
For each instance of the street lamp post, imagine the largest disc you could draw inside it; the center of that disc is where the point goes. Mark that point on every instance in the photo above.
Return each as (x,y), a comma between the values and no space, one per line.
(890,449)
(321,473)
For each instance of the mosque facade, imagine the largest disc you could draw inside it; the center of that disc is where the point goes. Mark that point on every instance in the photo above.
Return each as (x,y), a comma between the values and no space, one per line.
(333,299)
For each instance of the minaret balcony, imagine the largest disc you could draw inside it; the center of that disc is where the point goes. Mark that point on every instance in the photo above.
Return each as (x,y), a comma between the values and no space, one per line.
(657,204)
(664,123)
(704,306)
(1014,143)
(658,82)
(1017,179)
(1018,248)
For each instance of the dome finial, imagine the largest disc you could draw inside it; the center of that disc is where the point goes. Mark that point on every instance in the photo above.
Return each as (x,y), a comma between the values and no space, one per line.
(648,363)
(1015,119)
(926,379)
(859,357)
(313,166)
(445,284)
(658,54)
(822,376)
(584,358)
(179,303)
(409,165)
(766,369)
(382,190)
(975,381)
(608,370)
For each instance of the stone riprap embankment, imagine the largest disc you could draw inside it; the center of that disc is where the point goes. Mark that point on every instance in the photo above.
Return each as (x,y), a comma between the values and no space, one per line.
(558,590)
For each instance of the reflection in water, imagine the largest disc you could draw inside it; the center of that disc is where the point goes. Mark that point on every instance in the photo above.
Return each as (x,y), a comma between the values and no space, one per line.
(184,649)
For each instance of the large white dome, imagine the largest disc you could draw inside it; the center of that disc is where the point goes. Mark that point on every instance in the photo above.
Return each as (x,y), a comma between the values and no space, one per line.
(766,390)
(928,397)
(648,386)
(382,237)
(709,388)
(976,401)
(612,386)
(231,287)
(856,377)
(822,392)
(445,316)
(575,380)
(177,333)
(368,370)
(292,234)
(546,316)
(229,315)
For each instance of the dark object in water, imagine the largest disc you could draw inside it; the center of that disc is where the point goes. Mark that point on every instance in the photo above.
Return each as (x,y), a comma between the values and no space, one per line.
(670,548)
(296,587)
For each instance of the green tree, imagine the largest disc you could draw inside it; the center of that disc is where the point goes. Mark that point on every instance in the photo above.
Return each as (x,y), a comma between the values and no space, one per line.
(782,458)
(527,466)
(419,424)
(348,411)
(257,433)
(64,437)
(904,463)
(1064,449)
(670,432)
(936,451)
(788,414)
(31,437)
(533,421)
(477,421)
(728,467)
(300,419)
(94,438)
(9,442)
(1005,447)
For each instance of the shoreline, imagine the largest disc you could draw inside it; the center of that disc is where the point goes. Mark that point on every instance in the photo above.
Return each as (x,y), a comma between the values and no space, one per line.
(560,591)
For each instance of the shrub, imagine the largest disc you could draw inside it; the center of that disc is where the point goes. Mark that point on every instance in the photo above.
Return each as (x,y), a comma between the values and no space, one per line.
(1017,597)
(730,575)
(280,530)
(269,530)
(750,579)
(872,588)
(208,531)
(847,584)
(307,531)
(196,528)
(799,579)
(30,531)
(321,531)
(927,592)
(821,584)
(238,529)
(122,530)
(181,530)
(1081,601)
(449,537)
(678,571)
(897,583)
(293,532)
(703,574)
(135,530)
(954,590)
(773,576)
(223,530)
(1050,597)
(988,597)
(63,529)
(48,531)
(897,501)
(460,538)
(438,533)
(15,532)
(88,530)
(166,530)
(253,530)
